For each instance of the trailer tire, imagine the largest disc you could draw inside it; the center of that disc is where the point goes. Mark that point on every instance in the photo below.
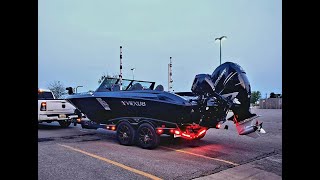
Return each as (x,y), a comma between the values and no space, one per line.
(125,133)
(147,138)
(65,123)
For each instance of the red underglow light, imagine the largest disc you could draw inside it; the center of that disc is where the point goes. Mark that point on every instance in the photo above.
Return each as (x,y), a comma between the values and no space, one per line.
(186,135)
(201,132)
(159,131)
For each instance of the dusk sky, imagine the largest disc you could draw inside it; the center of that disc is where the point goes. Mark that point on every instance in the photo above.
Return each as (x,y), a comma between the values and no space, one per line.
(79,40)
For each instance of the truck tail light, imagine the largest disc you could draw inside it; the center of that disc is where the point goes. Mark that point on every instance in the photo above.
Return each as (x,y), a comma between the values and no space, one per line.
(43,106)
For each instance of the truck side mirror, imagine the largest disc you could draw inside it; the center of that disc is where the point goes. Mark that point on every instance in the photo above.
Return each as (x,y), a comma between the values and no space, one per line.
(70,90)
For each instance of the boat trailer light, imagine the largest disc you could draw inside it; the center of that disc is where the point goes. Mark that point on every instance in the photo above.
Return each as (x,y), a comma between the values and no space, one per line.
(159,131)
(111,127)
(218,126)
(186,135)
(189,134)
(201,132)
(175,131)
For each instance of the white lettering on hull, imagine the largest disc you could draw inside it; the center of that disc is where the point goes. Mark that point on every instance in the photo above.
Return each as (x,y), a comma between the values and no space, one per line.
(133,103)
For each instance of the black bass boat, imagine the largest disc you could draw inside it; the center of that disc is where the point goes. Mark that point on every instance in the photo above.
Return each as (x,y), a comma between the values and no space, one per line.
(140,112)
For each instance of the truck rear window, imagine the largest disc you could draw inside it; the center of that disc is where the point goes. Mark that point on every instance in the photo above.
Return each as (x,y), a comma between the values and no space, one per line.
(45,95)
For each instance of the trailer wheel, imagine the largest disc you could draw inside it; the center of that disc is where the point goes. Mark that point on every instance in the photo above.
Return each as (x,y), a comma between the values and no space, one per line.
(147,137)
(125,133)
(65,123)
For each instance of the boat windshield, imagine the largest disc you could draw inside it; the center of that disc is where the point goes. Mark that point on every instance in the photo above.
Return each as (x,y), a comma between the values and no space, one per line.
(113,84)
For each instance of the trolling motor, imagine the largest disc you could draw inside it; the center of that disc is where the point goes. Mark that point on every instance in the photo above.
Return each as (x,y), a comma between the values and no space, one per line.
(226,89)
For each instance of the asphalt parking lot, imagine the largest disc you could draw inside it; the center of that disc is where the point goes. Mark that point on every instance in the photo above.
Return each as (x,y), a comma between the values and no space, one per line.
(76,153)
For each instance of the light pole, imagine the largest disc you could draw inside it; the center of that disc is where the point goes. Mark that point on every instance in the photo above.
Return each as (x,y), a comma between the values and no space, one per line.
(220,38)
(77,88)
(132,69)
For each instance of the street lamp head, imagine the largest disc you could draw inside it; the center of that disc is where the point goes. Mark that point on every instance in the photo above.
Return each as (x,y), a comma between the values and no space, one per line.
(132,69)
(220,38)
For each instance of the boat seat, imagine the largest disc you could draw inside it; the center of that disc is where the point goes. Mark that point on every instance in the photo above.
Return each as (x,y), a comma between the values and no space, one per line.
(136,86)
(159,88)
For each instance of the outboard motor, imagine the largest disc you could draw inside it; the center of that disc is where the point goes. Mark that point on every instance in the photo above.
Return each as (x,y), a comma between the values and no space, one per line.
(70,90)
(231,81)
(227,88)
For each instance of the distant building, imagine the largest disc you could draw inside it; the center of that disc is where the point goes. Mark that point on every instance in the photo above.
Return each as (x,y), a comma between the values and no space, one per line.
(270,103)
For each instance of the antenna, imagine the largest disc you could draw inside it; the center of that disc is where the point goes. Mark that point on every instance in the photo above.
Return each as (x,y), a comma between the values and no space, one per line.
(170,75)
(120,76)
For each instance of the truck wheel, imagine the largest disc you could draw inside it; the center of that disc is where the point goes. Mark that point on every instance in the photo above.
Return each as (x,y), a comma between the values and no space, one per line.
(147,137)
(64,124)
(125,133)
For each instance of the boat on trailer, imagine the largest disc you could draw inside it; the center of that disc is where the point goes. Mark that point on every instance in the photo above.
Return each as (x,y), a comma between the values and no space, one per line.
(140,112)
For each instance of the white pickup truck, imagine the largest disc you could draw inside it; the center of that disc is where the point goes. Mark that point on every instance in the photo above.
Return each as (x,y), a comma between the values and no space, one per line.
(51,109)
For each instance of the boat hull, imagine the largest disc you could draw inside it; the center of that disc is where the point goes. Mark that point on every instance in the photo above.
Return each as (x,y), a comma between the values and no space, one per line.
(104,107)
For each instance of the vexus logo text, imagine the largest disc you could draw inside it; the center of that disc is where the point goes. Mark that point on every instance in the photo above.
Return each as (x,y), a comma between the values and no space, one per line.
(133,103)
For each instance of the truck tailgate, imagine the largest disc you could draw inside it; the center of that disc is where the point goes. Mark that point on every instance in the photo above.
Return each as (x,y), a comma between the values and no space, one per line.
(60,107)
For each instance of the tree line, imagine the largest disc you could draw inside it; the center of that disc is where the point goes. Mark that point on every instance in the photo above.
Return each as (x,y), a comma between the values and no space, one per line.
(256,96)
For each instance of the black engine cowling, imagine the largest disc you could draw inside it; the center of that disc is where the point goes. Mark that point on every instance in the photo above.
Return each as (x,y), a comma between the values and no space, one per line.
(227,82)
